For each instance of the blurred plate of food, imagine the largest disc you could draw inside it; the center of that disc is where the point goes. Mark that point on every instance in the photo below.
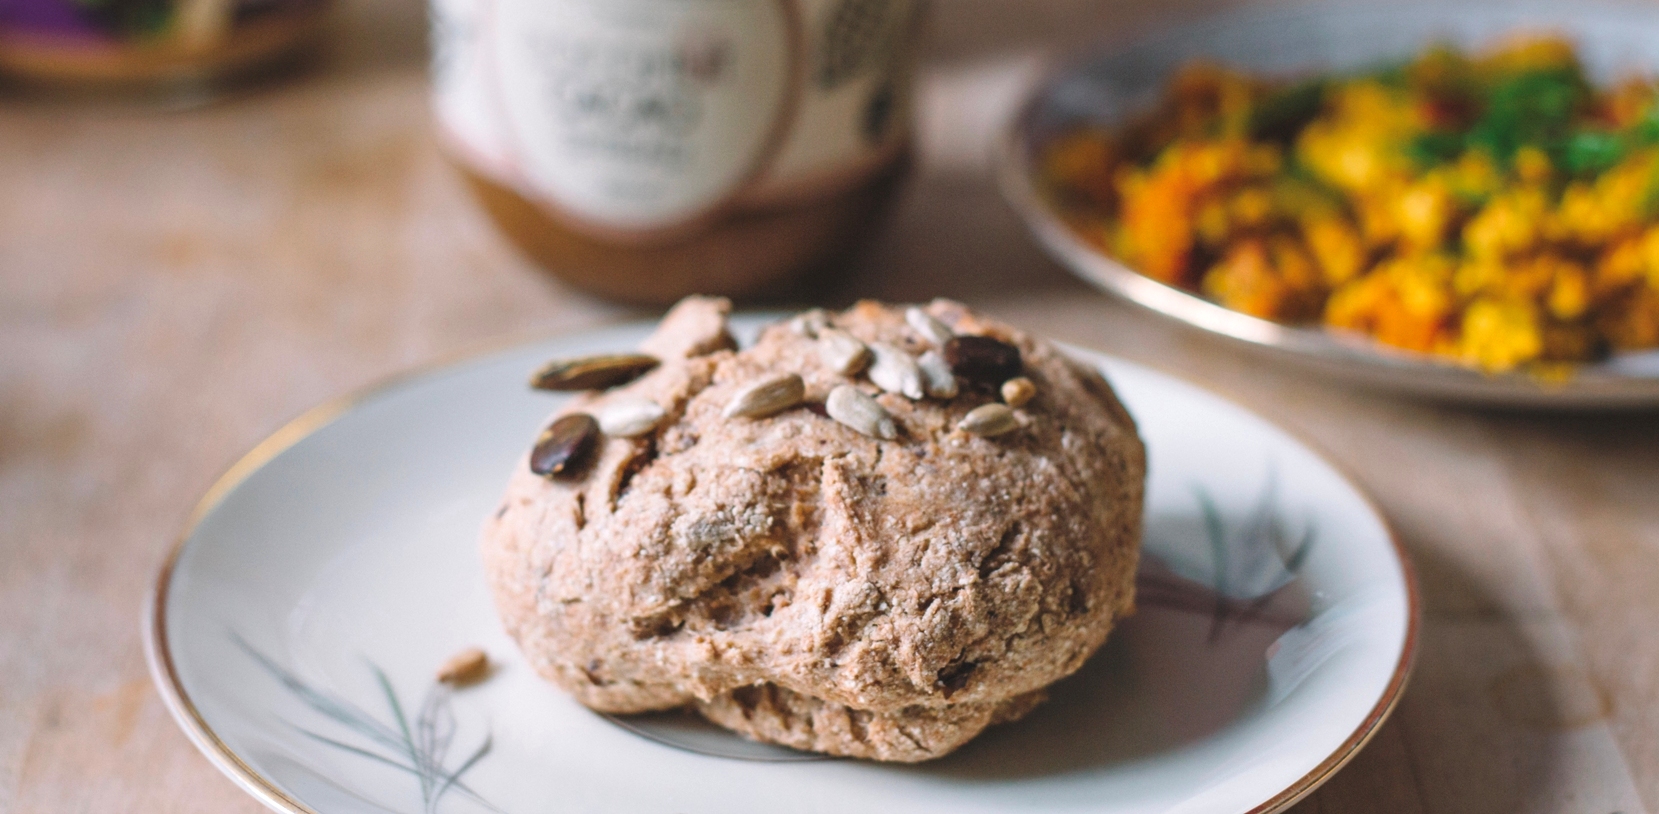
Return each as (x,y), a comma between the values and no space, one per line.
(1448,200)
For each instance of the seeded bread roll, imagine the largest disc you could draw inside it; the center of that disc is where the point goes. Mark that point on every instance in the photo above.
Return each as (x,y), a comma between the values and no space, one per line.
(799,580)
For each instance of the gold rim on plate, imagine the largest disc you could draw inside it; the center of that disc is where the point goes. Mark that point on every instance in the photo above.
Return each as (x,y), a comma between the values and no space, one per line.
(165,673)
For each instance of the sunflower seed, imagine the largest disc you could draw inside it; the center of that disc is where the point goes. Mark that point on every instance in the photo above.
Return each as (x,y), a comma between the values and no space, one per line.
(809,323)
(766,397)
(983,359)
(842,352)
(937,379)
(931,329)
(895,371)
(852,407)
(1018,391)
(989,419)
(464,667)
(592,372)
(629,416)
(563,445)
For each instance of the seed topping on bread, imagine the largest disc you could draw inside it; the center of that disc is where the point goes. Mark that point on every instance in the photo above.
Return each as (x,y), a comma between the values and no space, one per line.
(935,373)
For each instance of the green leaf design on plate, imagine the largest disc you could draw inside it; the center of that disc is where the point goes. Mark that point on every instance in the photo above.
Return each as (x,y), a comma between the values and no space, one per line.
(420,748)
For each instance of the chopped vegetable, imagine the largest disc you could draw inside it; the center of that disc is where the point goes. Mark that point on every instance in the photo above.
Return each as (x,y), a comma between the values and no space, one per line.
(1494,210)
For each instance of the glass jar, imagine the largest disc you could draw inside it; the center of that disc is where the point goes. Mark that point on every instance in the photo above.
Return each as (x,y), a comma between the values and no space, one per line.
(115,44)
(648,149)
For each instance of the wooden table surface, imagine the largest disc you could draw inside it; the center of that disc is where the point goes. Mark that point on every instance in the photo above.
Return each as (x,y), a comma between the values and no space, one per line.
(174,286)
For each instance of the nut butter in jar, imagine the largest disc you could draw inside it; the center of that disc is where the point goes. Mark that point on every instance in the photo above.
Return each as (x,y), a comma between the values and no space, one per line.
(648,149)
(118,44)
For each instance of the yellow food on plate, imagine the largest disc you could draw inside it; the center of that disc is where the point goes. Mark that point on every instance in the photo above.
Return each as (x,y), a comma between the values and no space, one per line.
(1495,210)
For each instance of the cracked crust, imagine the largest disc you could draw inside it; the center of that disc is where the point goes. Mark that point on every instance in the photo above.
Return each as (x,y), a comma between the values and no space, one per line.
(803,584)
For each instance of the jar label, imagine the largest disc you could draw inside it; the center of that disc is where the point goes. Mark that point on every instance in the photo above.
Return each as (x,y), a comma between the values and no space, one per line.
(640,117)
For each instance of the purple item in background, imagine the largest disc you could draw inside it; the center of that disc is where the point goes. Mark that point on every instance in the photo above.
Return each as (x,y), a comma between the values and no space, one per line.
(54,17)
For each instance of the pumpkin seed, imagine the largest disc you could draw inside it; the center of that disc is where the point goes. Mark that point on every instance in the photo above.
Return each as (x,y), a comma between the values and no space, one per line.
(895,371)
(767,397)
(854,408)
(842,352)
(931,329)
(629,416)
(809,323)
(564,445)
(983,359)
(989,420)
(937,379)
(592,372)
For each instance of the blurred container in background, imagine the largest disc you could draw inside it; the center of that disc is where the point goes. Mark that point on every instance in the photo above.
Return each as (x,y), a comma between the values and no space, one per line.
(647,149)
(120,44)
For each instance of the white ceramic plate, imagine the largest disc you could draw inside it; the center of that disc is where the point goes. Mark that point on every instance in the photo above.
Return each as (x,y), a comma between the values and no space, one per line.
(1103,87)
(296,628)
